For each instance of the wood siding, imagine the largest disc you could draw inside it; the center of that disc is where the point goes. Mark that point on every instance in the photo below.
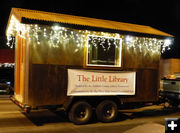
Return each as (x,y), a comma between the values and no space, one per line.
(47,66)
(47,85)
(147,84)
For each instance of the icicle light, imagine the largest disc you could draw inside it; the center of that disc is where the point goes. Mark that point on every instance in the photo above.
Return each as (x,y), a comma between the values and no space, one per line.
(57,35)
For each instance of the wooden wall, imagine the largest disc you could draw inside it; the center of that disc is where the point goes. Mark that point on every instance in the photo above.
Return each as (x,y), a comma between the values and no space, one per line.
(169,67)
(147,84)
(20,68)
(48,71)
(47,84)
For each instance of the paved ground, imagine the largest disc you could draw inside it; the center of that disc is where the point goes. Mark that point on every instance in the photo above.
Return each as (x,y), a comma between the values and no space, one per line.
(144,120)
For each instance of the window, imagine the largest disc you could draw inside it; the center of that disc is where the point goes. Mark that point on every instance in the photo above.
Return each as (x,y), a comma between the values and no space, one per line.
(104,51)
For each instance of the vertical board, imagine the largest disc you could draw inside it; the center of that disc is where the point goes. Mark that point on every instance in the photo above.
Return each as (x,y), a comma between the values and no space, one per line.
(147,86)
(47,85)
(20,68)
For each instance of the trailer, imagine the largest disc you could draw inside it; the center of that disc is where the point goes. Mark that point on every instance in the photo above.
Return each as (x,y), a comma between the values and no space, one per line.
(83,64)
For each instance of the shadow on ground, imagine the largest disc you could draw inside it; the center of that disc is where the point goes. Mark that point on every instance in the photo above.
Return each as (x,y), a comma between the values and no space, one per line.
(154,112)
(42,117)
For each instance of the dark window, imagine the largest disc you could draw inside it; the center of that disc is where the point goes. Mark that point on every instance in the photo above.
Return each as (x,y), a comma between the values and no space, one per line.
(104,51)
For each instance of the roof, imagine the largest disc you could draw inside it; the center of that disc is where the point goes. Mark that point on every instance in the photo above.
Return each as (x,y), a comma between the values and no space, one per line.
(22,14)
(6,56)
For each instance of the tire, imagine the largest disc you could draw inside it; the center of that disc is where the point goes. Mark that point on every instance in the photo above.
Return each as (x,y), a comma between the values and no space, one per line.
(80,113)
(106,111)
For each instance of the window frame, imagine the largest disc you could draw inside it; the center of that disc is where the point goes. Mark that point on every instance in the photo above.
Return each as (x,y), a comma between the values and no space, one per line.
(99,65)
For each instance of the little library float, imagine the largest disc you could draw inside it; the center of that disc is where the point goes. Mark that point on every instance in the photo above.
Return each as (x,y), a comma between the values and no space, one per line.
(82,64)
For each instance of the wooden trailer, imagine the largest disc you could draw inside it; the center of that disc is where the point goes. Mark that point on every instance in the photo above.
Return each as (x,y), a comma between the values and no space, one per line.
(81,63)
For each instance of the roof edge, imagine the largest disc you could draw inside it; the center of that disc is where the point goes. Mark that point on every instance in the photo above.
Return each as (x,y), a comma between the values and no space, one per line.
(14,11)
(17,14)
(83,27)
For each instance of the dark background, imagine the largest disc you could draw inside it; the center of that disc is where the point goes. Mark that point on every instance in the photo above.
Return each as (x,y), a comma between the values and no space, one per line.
(161,14)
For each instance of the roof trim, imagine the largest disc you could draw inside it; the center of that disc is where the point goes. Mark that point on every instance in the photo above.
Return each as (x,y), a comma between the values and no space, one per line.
(29,16)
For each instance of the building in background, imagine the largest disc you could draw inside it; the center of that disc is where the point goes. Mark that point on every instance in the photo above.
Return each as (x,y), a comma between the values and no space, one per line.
(6,58)
(169,67)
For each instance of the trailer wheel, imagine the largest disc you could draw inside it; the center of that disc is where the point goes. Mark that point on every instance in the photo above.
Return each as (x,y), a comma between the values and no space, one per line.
(107,111)
(80,112)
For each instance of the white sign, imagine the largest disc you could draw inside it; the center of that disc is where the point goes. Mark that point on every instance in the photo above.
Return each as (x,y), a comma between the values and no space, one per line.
(95,83)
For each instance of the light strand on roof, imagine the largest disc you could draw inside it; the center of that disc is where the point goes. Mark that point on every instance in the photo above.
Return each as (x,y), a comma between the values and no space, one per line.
(58,35)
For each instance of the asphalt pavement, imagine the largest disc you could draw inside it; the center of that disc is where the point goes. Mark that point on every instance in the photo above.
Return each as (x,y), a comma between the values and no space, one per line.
(150,119)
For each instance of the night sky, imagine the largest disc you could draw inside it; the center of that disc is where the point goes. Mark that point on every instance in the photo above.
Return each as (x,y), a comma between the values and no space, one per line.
(160,14)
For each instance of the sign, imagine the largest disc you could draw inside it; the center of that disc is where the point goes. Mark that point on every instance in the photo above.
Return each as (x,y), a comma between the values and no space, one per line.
(96,83)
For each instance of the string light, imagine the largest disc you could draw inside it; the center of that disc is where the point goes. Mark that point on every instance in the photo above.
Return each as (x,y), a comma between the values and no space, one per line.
(105,42)
(7,65)
(57,36)
(145,45)
(166,45)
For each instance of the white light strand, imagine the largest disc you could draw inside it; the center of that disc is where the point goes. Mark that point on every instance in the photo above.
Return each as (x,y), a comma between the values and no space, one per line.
(57,35)
(166,45)
(7,65)
(103,41)
(143,44)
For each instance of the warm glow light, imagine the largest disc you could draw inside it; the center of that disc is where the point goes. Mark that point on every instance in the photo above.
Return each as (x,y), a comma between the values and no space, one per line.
(5,65)
(57,36)
(128,38)
(56,28)
(167,42)
(166,45)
